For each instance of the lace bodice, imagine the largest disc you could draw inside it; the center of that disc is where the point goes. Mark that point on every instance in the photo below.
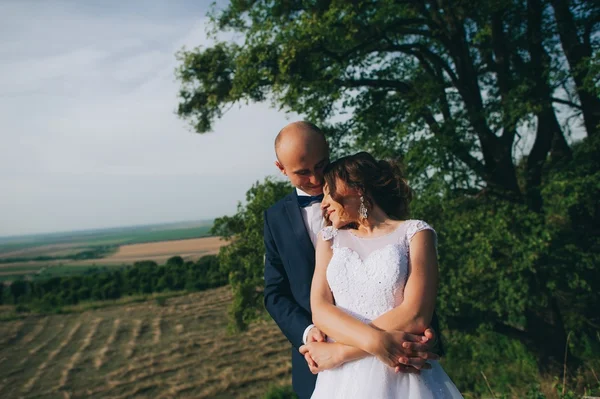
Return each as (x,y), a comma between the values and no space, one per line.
(367,275)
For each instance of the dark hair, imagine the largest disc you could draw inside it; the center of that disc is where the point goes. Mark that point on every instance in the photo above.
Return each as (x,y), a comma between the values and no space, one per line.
(382,182)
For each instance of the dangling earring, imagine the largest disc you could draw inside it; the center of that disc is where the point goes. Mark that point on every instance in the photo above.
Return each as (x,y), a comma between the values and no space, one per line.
(362,210)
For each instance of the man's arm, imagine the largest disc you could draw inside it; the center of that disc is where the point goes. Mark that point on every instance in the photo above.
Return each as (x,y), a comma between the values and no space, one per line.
(279,301)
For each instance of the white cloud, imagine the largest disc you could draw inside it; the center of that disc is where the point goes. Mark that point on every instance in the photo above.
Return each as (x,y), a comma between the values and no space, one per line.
(89,135)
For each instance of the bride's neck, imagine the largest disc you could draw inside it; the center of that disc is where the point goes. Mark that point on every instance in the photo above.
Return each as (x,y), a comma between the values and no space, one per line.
(376,220)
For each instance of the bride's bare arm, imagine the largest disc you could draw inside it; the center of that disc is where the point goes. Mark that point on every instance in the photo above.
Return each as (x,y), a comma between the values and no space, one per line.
(326,316)
(413,315)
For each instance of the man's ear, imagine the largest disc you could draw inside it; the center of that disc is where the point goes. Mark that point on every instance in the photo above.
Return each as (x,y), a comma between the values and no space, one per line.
(280,167)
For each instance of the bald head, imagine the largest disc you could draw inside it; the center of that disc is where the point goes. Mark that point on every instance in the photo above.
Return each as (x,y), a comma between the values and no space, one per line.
(298,134)
(302,154)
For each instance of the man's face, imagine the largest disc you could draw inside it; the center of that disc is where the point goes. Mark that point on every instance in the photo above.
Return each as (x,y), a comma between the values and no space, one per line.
(304,164)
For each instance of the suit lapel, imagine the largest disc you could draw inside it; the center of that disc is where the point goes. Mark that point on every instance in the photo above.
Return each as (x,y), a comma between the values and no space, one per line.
(295,215)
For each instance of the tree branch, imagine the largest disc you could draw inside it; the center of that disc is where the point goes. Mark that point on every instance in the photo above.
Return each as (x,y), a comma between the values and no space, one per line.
(397,85)
(565,102)
(406,89)
(460,150)
(418,48)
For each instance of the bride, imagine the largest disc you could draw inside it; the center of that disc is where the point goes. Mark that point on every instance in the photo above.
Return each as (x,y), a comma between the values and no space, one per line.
(376,275)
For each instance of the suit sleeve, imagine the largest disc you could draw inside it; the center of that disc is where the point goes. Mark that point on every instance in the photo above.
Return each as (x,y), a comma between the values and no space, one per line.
(291,318)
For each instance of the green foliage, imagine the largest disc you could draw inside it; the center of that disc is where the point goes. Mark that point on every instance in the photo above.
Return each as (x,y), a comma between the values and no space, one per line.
(243,259)
(280,393)
(143,277)
(448,87)
(20,308)
(506,363)
(454,88)
(176,261)
(455,80)
(530,276)
(562,392)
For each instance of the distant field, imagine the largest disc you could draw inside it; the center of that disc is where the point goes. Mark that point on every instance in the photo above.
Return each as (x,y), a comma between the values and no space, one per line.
(191,249)
(142,350)
(58,254)
(64,243)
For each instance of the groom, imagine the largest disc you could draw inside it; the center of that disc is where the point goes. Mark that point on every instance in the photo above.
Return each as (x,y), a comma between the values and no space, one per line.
(290,234)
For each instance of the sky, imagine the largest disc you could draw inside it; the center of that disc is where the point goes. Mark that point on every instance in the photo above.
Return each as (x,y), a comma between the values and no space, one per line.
(89,137)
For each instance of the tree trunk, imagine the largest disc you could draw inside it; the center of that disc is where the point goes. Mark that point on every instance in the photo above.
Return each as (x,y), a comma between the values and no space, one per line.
(547,130)
(549,343)
(497,151)
(501,170)
(544,335)
(577,53)
(549,135)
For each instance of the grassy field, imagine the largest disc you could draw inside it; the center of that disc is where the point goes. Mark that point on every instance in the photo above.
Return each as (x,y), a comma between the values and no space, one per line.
(142,350)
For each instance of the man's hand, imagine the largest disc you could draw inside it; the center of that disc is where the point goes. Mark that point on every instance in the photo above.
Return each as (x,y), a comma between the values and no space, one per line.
(315,335)
(397,349)
(321,356)
(418,349)
(388,347)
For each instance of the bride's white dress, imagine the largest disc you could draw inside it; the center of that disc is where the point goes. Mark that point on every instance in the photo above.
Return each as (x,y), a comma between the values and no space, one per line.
(367,277)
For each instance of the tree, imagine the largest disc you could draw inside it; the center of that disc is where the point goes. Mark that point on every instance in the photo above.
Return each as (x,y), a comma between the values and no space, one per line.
(468,94)
(19,290)
(462,78)
(243,259)
(576,22)
(175,261)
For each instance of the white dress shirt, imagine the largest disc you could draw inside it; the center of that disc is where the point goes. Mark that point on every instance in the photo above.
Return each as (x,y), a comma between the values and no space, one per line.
(313,218)
(314,222)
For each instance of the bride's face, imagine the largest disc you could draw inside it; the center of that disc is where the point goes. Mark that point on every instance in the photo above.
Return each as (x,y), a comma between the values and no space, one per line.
(344,208)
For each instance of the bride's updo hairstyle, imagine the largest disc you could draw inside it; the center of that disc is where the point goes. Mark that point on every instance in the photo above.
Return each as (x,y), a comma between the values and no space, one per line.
(382,183)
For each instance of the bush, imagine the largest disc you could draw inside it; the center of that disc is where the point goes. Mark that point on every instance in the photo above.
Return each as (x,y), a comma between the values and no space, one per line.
(20,308)
(506,363)
(243,259)
(144,277)
(161,301)
(280,393)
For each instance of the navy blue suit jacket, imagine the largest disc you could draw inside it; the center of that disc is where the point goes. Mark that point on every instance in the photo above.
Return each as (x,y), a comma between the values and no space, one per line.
(289,267)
